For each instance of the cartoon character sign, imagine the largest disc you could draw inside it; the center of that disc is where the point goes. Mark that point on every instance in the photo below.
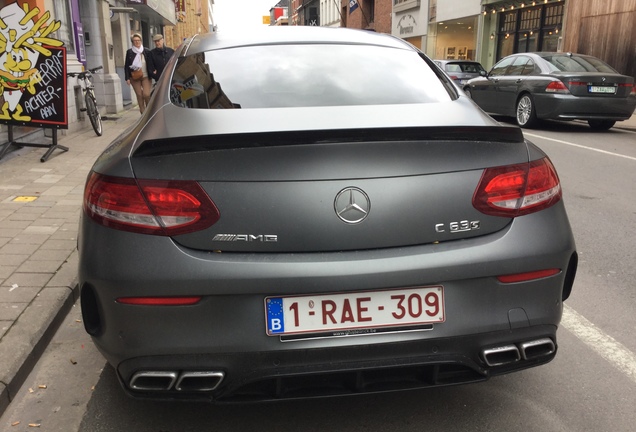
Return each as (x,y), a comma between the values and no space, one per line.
(22,41)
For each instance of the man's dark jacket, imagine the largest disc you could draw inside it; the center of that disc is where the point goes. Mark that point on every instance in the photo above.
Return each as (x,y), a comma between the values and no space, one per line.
(157,61)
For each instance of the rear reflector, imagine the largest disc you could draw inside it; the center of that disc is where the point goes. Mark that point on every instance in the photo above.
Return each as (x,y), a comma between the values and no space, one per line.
(517,190)
(159,301)
(524,277)
(159,207)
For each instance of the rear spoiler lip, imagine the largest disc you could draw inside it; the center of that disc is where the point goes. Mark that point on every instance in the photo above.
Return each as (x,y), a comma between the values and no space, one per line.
(189,144)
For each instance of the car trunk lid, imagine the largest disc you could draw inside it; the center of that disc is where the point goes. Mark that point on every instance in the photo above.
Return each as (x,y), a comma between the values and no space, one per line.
(337,190)
(595,84)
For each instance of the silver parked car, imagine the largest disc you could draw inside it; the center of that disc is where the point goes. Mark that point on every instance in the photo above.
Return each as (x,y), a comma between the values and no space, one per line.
(555,86)
(307,212)
(461,71)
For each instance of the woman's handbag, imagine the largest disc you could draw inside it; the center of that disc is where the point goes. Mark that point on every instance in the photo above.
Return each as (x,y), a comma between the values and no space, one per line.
(136,75)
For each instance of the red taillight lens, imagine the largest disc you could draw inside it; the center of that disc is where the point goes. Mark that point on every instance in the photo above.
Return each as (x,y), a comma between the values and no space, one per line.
(159,207)
(630,85)
(516,190)
(159,301)
(556,87)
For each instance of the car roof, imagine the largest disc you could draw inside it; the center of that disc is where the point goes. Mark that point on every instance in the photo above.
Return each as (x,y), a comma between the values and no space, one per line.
(274,35)
(456,61)
(543,54)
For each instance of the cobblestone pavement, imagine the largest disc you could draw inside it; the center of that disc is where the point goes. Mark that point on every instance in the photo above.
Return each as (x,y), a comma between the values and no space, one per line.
(39,211)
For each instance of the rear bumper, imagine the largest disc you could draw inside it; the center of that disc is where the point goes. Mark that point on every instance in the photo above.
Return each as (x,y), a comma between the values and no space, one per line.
(225,331)
(370,368)
(568,107)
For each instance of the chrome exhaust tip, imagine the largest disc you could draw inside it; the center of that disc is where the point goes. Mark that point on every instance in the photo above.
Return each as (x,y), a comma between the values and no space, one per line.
(199,381)
(537,348)
(153,380)
(502,355)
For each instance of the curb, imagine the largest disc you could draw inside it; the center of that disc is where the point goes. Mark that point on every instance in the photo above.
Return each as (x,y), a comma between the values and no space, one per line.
(45,314)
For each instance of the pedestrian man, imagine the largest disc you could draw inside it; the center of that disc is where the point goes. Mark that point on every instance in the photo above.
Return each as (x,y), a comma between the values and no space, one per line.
(159,56)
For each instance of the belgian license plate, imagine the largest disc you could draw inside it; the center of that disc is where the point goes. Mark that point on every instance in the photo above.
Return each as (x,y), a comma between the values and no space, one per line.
(341,314)
(602,89)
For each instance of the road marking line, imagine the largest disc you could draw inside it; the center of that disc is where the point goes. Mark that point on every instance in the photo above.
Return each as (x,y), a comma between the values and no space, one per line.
(581,146)
(605,345)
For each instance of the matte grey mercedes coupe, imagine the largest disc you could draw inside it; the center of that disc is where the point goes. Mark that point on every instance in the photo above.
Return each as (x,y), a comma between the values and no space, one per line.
(305,212)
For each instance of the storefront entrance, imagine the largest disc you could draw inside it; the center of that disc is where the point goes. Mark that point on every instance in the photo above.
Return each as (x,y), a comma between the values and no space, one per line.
(528,29)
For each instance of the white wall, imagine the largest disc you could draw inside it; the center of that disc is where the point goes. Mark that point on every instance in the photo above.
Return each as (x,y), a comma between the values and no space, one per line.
(450,9)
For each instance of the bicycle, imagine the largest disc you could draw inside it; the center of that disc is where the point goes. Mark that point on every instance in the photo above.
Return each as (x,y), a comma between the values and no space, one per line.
(90,102)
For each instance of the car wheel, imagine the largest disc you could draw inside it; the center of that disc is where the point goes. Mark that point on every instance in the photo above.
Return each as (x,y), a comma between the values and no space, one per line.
(601,124)
(467,91)
(526,114)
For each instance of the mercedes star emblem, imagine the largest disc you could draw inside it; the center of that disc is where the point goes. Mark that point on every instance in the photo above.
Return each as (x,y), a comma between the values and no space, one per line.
(352,205)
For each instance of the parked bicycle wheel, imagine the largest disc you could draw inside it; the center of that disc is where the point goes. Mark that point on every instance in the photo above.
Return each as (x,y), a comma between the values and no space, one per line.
(93,114)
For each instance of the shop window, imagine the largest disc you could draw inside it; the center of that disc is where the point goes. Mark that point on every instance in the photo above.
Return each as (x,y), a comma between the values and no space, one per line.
(550,41)
(402,5)
(65,32)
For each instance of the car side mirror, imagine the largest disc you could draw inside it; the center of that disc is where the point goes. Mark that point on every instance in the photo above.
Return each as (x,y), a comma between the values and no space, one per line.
(483,73)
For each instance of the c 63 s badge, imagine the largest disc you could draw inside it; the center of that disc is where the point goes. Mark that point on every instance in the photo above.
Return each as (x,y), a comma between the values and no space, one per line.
(255,238)
(458,226)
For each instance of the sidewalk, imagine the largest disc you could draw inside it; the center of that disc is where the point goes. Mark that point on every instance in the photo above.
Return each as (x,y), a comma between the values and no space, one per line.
(39,213)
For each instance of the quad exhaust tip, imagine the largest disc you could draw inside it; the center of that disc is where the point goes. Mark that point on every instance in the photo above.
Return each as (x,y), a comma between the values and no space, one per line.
(502,355)
(199,381)
(153,380)
(187,381)
(537,348)
(506,354)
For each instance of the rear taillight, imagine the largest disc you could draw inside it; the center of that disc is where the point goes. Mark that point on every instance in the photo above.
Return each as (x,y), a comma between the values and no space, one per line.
(517,190)
(629,85)
(159,207)
(556,87)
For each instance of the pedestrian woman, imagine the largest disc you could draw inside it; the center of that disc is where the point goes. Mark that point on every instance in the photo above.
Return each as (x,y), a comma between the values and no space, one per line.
(136,71)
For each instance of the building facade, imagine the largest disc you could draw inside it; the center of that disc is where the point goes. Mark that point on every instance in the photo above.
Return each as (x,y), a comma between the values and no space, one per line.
(604,29)
(367,14)
(97,33)
(488,30)
(329,13)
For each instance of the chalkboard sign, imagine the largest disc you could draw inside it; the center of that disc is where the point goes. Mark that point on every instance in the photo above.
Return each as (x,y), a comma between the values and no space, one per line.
(39,99)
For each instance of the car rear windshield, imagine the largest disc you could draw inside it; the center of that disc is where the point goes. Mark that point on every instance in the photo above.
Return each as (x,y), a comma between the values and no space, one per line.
(464,67)
(574,63)
(304,76)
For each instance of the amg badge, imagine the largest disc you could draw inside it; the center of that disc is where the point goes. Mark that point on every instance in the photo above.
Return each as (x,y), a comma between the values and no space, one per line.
(265,238)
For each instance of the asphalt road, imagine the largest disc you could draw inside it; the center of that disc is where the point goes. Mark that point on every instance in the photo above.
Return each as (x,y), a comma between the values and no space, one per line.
(590,386)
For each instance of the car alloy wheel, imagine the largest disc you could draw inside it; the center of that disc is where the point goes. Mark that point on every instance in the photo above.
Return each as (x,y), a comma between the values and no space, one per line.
(526,115)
